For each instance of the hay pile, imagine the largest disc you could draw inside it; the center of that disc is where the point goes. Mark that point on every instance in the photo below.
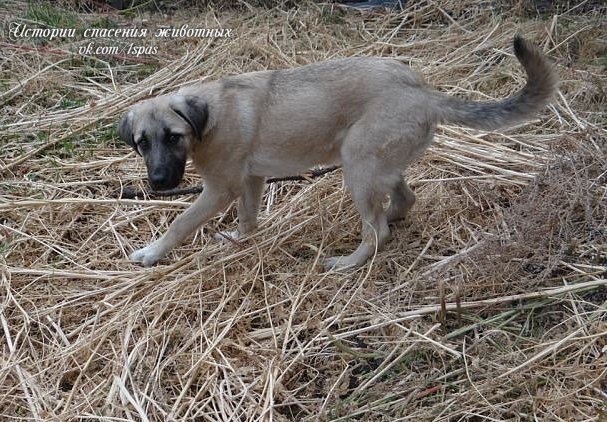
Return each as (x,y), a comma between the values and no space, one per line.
(490,302)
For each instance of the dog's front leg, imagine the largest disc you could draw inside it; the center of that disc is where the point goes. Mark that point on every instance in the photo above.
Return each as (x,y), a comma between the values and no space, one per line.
(208,204)
(248,208)
(248,205)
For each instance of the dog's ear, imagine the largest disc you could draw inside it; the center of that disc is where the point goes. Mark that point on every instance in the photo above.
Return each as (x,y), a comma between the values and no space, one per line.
(193,110)
(125,130)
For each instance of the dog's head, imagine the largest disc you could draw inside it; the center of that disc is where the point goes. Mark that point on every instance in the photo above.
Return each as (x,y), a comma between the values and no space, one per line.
(163,131)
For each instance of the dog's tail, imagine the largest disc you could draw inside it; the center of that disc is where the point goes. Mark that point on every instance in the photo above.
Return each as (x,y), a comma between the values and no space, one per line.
(541,85)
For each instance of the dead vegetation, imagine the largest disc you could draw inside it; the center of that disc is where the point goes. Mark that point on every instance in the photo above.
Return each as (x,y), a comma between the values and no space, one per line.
(489,303)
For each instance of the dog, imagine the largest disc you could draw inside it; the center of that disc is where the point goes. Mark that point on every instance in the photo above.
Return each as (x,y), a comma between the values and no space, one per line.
(374,116)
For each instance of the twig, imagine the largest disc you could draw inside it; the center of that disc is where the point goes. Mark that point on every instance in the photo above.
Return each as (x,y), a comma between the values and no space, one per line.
(130,193)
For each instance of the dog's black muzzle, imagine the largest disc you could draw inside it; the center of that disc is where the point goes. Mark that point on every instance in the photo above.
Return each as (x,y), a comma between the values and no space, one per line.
(165,178)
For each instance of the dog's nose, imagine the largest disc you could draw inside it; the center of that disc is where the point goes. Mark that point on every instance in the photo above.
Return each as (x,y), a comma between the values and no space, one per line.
(158,180)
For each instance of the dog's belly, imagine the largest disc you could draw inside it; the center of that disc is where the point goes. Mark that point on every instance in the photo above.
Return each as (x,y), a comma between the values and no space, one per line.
(275,157)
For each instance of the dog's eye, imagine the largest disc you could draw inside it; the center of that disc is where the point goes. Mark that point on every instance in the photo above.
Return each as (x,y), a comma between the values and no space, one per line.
(142,144)
(173,139)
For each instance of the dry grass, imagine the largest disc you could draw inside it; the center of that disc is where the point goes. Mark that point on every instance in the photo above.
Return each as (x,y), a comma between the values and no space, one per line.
(490,303)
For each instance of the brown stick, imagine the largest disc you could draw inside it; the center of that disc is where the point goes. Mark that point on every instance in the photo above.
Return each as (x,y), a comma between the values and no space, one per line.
(130,193)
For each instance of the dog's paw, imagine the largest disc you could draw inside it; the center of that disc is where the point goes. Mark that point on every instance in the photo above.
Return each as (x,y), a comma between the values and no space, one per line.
(227,236)
(339,263)
(148,256)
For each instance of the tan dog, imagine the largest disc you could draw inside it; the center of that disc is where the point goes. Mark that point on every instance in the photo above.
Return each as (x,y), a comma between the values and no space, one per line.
(375,116)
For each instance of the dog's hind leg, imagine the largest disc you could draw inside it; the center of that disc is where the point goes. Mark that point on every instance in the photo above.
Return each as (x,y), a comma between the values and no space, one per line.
(402,199)
(366,180)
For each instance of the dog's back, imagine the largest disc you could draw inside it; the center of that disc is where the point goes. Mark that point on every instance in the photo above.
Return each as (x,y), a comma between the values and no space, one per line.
(334,93)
